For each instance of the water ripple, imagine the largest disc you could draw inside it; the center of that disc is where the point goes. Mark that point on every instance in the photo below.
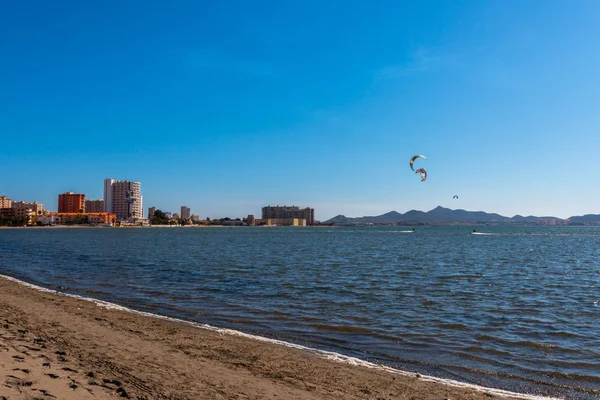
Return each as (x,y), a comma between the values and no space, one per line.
(517,310)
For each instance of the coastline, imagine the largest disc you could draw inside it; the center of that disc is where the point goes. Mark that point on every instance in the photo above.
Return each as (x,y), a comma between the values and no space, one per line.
(75,226)
(433,225)
(74,347)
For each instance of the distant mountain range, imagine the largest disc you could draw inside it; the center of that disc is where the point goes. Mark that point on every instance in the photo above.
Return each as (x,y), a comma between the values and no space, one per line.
(446,216)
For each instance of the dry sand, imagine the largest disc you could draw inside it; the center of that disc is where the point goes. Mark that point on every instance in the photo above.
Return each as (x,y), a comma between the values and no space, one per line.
(54,346)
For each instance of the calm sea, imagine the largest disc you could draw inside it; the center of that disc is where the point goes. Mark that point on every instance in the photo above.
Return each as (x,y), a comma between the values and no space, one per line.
(517,309)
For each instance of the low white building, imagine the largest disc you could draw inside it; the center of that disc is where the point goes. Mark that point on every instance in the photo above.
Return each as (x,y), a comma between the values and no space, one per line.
(49,219)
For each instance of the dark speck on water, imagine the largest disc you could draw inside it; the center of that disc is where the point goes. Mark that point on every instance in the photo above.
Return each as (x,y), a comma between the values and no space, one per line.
(516,309)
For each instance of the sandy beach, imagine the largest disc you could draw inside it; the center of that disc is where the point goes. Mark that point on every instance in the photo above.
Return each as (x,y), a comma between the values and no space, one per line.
(53,346)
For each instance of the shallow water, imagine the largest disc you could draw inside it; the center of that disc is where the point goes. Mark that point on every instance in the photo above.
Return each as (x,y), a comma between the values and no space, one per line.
(516,310)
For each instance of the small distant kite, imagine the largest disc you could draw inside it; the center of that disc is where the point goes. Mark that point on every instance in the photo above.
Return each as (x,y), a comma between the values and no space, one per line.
(455,196)
(412,160)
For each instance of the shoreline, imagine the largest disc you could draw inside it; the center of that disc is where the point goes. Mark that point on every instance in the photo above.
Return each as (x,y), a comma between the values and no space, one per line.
(419,227)
(154,356)
(83,226)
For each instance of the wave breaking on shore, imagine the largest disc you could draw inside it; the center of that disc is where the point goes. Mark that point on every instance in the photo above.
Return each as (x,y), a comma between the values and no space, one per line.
(329,355)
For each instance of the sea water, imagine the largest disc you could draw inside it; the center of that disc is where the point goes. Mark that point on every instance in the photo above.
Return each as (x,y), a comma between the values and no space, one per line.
(517,309)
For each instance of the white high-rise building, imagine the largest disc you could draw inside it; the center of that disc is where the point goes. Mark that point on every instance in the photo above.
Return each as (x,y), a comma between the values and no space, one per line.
(125,199)
(108,195)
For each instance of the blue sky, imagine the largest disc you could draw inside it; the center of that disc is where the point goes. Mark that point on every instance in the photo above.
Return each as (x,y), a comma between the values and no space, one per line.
(229,106)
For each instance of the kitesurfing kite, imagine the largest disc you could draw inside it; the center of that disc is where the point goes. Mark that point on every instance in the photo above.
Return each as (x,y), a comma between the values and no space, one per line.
(421,171)
(455,196)
(412,160)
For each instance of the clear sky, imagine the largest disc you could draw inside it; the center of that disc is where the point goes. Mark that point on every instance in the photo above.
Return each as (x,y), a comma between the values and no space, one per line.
(227,106)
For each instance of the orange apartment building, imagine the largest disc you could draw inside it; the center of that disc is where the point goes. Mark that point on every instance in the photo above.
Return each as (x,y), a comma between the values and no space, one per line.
(70,202)
(85,218)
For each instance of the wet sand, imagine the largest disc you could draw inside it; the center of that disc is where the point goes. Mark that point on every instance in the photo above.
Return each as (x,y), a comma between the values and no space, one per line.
(54,346)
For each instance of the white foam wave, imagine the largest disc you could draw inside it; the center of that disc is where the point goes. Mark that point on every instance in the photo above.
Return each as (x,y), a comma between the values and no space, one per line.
(330,355)
(389,232)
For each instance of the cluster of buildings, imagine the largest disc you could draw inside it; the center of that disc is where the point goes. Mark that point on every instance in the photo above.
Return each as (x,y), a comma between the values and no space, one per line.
(271,216)
(122,203)
(20,210)
(185,216)
(284,216)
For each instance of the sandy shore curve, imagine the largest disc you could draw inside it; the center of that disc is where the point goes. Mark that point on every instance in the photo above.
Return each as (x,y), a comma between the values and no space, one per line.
(54,345)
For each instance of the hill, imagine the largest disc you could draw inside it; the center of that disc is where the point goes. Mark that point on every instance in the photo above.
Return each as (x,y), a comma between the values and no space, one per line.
(446,216)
